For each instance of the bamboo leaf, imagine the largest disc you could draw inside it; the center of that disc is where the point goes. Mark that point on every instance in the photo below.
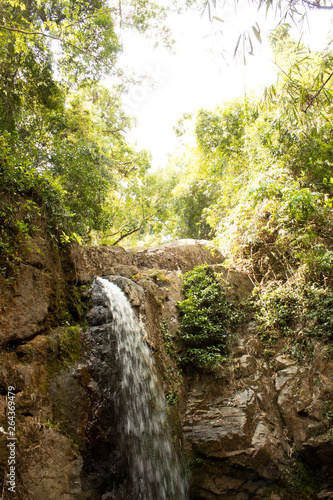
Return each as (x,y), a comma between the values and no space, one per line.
(237,44)
(251,45)
(256,31)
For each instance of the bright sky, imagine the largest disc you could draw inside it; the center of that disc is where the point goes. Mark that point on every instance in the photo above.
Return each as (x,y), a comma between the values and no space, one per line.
(195,76)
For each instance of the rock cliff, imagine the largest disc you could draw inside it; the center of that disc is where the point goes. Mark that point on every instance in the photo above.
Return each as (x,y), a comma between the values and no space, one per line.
(260,426)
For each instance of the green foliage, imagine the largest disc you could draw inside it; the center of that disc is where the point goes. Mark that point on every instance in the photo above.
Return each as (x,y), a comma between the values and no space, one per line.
(328,412)
(168,339)
(11,233)
(81,158)
(191,199)
(63,142)
(298,311)
(207,318)
(159,275)
(259,178)
(206,358)
(139,208)
(222,130)
(172,398)
(287,13)
(207,173)
(27,200)
(300,480)
(271,164)
(65,347)
(69,344)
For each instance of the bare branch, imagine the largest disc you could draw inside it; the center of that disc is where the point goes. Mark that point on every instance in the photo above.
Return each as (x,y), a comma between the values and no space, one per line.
(126,234)
(41,33)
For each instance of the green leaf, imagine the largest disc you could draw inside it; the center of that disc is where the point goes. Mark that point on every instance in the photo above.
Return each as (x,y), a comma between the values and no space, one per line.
(216,18)
(237,44)
(256,31)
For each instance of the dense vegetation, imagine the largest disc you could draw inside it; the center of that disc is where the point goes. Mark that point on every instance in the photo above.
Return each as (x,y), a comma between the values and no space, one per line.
(260,175)
(259,180)
(62,134)
(208,318)
(63,138)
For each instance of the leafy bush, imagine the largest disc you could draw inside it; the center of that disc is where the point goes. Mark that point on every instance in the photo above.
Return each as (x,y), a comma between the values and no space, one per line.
(207,318)
(26,197)
(297,311)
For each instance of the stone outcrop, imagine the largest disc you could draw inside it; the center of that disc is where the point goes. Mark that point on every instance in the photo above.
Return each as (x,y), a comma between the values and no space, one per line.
(29,300)
(39,286)
(26,314)
(259,427)
(52,391)
(180,255)
(249,426)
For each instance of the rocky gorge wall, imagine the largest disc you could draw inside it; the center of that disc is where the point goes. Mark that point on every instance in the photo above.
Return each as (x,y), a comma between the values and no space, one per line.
(258,427)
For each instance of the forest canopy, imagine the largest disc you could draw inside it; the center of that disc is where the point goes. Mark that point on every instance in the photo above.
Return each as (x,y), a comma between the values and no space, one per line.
(261,173)
(62,134)
(261,165)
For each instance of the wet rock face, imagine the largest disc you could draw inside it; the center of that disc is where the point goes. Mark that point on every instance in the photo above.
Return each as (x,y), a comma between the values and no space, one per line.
(128,417)
(54,396)
(104,467)
(25,315)
(101,261)
(133,292)
(230,419)
(31,304)
(304,399)
(53,473)
(43,273)
(50,410)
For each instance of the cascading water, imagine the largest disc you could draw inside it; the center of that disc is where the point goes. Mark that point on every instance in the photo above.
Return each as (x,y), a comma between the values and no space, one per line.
(139,406)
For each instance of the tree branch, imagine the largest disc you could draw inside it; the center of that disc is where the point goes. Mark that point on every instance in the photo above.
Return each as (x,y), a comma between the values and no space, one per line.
(145,219)
(317,5)
(317,93)
(41,33)
(117,232)
(115,133)
(125,235)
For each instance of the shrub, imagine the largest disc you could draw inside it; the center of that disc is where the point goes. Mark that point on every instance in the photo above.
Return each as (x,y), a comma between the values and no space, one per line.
(298,311)
(207,318)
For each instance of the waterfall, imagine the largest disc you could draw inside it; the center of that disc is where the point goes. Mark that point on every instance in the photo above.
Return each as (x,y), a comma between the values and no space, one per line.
(139,405)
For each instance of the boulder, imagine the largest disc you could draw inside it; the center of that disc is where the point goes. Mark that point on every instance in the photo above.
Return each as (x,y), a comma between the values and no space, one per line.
(180,255)
(27,309)
(91,262)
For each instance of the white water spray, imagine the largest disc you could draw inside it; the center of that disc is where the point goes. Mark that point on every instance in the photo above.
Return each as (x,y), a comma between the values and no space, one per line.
(142,424)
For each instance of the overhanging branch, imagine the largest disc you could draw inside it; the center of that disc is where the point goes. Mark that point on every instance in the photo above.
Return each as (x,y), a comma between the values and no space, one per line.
(41,33)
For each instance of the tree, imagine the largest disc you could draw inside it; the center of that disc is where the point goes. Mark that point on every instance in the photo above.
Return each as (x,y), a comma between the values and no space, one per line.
(140,210)
(271,167)
(59,128)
